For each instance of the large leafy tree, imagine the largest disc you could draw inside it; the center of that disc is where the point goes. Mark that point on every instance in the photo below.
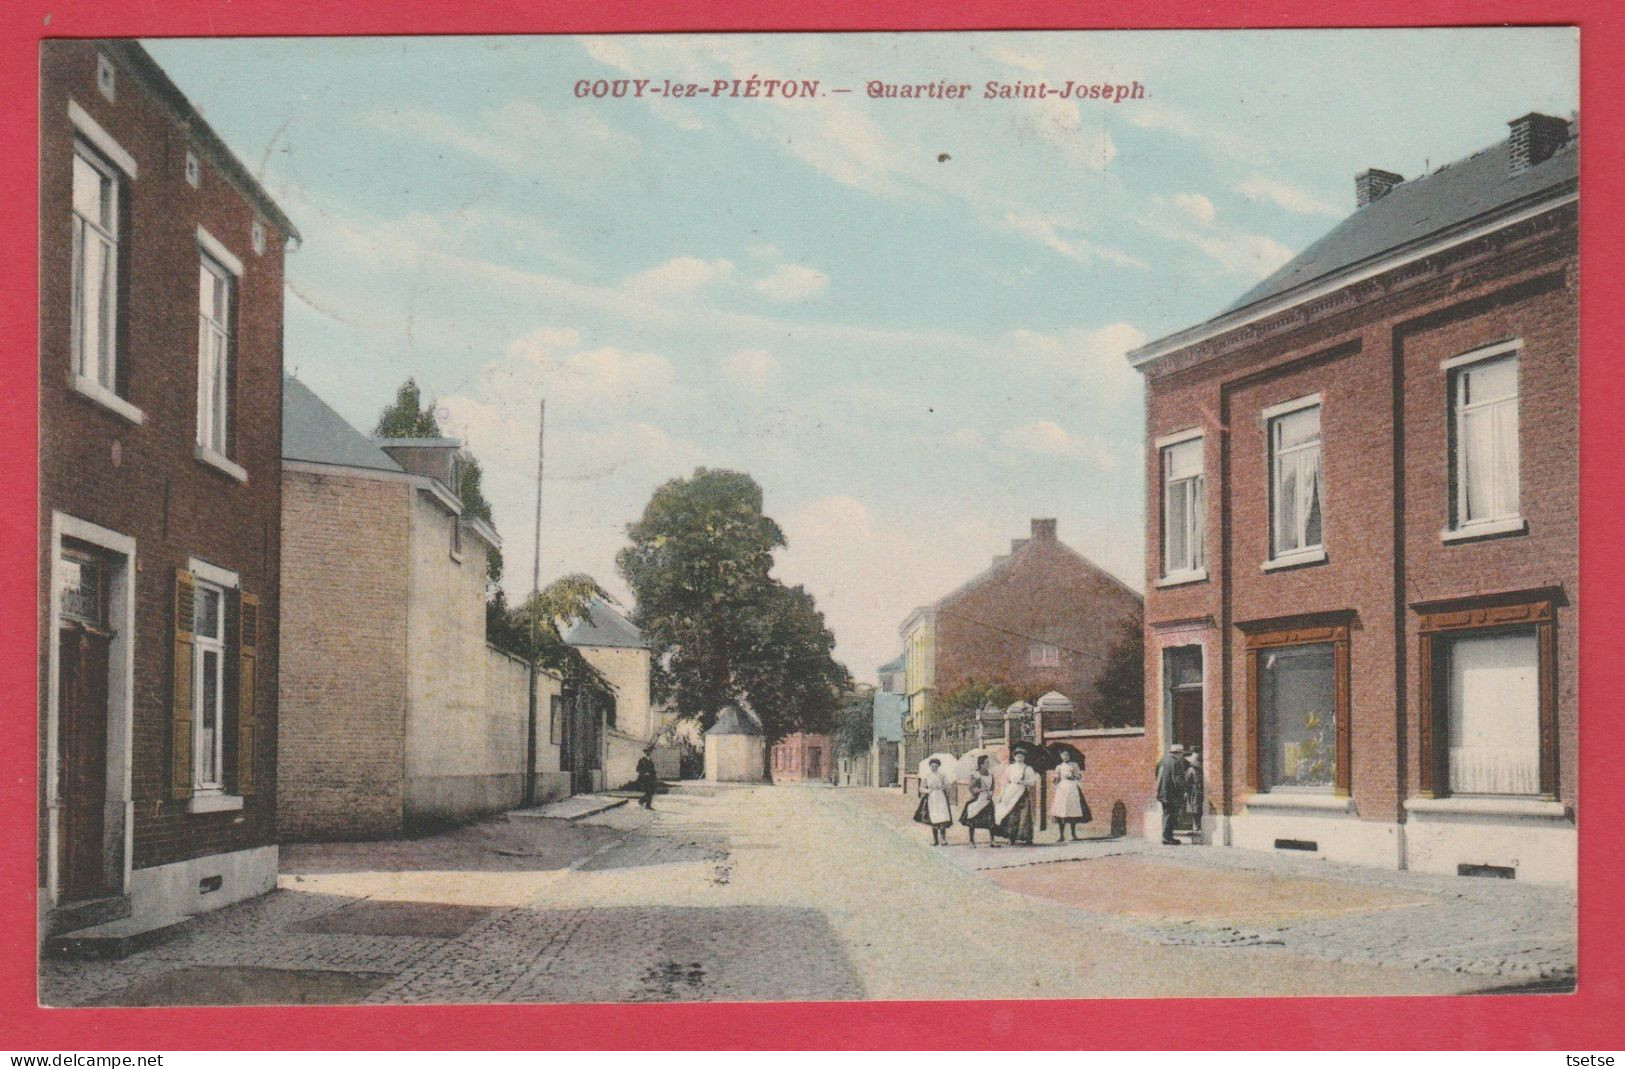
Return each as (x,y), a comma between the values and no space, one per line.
(535,629)
(1119,699)
(722,629)
(855,724)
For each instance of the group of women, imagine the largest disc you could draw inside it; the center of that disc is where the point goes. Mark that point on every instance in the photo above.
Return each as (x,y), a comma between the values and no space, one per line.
(1003,812)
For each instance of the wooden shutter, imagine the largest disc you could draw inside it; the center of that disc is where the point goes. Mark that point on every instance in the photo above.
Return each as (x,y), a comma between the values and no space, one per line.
(180,772)
(248,638)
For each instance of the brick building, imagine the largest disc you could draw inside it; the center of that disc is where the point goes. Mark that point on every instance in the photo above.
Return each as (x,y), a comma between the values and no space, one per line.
(803,758)
(396,714)
(160,419)
(1363,550)
(1041,618)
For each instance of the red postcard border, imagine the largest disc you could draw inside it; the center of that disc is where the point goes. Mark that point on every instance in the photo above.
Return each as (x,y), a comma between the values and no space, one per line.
(1590,1018)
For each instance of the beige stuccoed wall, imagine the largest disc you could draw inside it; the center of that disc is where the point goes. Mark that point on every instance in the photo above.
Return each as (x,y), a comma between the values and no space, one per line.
(464,757)
(628,671)
(342,681)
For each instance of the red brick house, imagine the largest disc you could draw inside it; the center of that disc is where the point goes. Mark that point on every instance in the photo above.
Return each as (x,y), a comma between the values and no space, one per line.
(160,425)
(1041,618)
(803,758)
(1362,555)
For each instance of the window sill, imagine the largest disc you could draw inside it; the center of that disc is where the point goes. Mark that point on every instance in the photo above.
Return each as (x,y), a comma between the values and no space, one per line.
(1294,560)
(1490,807)
(1327,803)
(109,400)
(214,803)
(1516,525)
(215,460)
(1181,578)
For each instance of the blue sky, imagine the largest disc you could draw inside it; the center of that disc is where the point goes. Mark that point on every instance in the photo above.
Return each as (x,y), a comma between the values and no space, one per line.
(913,356)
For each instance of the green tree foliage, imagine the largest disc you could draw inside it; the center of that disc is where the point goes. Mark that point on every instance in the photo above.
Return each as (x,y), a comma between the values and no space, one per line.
(855,726)
(1119,699)
(410,417)
(721,628)
(974,695)
(535,629)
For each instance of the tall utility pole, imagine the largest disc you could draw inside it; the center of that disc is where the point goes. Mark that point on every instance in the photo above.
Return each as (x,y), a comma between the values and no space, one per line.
(535,589)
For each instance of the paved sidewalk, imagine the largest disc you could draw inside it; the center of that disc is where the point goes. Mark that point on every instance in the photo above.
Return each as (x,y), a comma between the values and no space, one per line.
(1510,933)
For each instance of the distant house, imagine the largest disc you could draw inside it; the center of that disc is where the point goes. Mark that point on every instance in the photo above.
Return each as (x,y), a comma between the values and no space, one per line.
(1042,617)
(803,758)
(396,713)
(734,748)
(890,703)
(605,752)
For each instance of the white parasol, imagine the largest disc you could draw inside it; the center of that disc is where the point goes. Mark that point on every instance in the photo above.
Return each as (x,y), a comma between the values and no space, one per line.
(967,764)
(949,763)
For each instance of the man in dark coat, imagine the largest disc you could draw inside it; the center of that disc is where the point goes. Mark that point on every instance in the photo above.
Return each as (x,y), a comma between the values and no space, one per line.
(1171,790)
(646,778)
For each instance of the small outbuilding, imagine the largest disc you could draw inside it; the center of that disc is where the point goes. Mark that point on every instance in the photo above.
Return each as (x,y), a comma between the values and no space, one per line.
(735,749)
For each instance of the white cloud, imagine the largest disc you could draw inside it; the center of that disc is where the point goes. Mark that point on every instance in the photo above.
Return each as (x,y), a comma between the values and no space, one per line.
(1096,358)
(682,274)
(1041,436)
(1195,205)
(1288,196)
(519,136)
(1052,231)
(793,282)
(1252,255)
(753,369)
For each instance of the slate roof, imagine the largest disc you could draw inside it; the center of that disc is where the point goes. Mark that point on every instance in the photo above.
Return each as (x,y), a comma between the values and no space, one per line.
(895,664)
(734,721)
(605,627)
(313,432)
(1481,184)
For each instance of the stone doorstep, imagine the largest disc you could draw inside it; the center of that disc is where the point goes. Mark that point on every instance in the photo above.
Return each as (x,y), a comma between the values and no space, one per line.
(76,915)
(117,939)
(576,807)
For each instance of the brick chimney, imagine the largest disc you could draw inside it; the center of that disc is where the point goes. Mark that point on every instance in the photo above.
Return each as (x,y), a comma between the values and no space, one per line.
(1534,138)
(1374,184)
(1043,531)
(1016,545)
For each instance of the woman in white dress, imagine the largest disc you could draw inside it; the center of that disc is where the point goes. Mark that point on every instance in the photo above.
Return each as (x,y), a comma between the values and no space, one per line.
(978,812)
(934,808)
(1013,809)
(1068,807)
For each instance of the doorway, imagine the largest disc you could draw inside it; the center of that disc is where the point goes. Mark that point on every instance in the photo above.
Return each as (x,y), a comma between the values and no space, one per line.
(578,749)
(1182,682)
(83,659)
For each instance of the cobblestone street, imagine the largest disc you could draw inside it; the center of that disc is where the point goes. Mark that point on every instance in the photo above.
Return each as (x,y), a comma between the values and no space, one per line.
(773,893)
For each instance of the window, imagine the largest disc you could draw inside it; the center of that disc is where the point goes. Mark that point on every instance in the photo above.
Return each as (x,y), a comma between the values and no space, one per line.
(1295,482)
(1488,714)
(1298,680)
(1484,426)
(81,580)
(1494,713)
(208,686)
(1184,520)
(214,355)
(1043,655)
(95,268)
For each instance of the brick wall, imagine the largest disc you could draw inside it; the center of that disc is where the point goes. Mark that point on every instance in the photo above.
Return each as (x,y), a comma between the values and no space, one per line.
(343,737)
(1117,768)
(142,479)
(1374,356)
(1046,593)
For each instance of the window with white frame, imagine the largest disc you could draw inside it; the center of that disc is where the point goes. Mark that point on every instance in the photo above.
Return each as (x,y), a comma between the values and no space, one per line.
(1295,482)
(1183,511)
(95,267)
(1043,655)
(1484,424)
(214,354)
(208,686)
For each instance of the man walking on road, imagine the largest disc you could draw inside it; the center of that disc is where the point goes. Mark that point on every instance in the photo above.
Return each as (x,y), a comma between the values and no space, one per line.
(1171,790)
(646,778)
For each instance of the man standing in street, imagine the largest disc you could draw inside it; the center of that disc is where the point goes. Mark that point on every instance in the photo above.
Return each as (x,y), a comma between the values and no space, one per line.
(1171,790)
(646,778)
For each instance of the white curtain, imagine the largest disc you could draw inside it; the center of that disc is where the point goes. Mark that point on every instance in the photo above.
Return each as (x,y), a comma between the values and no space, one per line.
(1495,715)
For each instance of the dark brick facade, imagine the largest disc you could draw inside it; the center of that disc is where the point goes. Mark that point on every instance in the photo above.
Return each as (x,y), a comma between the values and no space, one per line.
(143,480)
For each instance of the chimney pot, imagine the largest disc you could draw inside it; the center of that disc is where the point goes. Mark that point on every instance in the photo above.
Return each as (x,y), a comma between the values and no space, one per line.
(1374,184)
(1043,530)
(1534,138)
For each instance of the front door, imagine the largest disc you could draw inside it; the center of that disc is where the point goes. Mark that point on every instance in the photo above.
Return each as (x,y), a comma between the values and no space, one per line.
(1188,718)
(82,691)
(578,754)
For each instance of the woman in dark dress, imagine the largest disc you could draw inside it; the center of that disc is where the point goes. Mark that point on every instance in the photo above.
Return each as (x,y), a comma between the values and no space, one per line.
(978,812)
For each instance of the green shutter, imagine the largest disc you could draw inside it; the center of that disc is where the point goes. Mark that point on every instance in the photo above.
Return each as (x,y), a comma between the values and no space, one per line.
(248,637)
(180,775)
